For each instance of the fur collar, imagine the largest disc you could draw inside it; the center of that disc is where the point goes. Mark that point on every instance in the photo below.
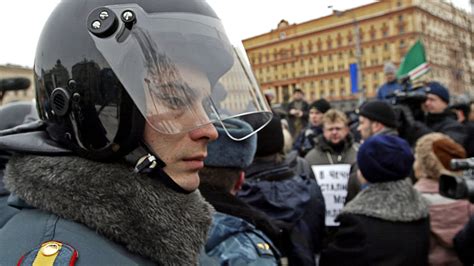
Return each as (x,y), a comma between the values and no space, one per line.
(395,201)
(133,210)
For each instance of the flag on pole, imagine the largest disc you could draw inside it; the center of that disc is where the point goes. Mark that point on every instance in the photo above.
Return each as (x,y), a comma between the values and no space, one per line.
(414,63)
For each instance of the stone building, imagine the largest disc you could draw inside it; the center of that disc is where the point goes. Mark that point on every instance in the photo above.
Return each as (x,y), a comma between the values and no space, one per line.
(315,55)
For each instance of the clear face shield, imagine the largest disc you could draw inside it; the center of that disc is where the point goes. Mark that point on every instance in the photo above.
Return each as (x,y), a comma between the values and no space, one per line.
(181,71)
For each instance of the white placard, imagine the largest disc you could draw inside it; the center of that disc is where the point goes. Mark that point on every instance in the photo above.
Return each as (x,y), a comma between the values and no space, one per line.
(333,180)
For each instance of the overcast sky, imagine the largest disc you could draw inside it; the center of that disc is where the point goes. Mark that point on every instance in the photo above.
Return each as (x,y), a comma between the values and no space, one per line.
(23,19)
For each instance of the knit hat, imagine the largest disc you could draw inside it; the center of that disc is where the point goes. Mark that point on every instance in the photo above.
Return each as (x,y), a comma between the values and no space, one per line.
(270,138)
(389,67)
(439,90)
(379,111)
(321,105)
(225,152)
(385,158)
(446,149)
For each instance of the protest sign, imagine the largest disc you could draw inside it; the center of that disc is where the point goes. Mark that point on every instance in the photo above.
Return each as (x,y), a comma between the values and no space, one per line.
(333,180)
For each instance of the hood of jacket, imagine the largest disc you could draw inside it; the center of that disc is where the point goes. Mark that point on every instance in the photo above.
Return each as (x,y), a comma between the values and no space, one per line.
(277,191)
(395,201)
(134,210)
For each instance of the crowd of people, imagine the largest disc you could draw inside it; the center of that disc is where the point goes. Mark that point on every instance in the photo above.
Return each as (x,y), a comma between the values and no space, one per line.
(135,159)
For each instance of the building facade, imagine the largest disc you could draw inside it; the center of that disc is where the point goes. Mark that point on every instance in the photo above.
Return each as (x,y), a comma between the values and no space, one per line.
(315,55)
(14,71)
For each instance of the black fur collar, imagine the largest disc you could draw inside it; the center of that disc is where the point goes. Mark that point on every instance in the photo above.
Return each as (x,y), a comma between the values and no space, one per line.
(134,210)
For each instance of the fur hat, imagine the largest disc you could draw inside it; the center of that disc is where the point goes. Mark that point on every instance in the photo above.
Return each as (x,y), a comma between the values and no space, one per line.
(384,158)
(428,164)
(270,138)
(446,149)
(439,90)
(225,152)
(379,111)
(321,105)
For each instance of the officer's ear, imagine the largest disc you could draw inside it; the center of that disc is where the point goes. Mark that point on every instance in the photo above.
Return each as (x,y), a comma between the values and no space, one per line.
(238,184)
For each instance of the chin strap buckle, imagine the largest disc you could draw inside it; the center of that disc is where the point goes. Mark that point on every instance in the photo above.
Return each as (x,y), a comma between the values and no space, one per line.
(146,162)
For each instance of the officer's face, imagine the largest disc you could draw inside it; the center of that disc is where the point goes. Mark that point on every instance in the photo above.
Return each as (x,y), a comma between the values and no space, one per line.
(365,127)
(434,104)
(315,117)
(184,153)
(335,132)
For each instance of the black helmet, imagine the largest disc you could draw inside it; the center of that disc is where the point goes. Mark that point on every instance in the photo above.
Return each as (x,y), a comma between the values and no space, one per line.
(105,67)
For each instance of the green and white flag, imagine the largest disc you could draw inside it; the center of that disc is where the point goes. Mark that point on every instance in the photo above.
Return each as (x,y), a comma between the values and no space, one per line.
(414,63)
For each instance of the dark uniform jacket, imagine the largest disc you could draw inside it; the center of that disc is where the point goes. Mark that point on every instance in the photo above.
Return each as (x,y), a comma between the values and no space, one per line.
(234,241)
(103,212)
(294,200)
(386,224)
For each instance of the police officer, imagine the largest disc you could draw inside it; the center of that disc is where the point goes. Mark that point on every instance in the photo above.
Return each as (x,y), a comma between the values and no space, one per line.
(239,233)
(124,93)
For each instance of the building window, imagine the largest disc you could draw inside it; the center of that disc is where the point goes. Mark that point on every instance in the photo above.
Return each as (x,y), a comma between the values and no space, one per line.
(343,91)
(385,46)
(401,29)
(400,18)
(282,35)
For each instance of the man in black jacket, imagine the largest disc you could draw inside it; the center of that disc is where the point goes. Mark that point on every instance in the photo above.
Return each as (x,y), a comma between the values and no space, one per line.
(439,118)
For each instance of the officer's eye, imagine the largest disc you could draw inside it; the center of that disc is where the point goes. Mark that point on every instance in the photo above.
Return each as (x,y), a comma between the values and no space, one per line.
(172,102)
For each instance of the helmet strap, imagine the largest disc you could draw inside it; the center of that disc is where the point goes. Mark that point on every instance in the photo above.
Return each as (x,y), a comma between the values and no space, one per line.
(146,162)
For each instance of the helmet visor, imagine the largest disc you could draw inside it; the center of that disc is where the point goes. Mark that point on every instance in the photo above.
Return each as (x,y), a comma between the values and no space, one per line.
(182,72)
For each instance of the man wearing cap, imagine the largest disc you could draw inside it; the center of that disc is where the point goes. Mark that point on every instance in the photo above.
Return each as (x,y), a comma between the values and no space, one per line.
(438,117)
(377,117)
(305,140)
(239,233)
(387,223)
(297,113)
(391,85)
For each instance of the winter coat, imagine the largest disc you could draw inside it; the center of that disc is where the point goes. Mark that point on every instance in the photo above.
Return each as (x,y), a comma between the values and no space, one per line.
(384,91)
(444,122)
(229,204)
(294,201)
(464,243)
(305,140)
(469,144)
(296,124)
(233,241)
(386,224)
(323,153)
(299,165)
(447,217)
(105,212)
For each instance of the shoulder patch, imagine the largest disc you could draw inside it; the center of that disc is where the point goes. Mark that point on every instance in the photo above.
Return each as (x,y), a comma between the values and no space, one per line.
(50,253)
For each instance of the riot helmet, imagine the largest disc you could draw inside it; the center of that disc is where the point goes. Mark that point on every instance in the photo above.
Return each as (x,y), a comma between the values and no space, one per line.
(104,68)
